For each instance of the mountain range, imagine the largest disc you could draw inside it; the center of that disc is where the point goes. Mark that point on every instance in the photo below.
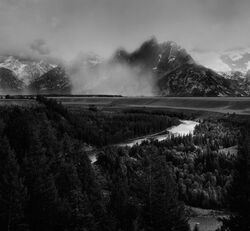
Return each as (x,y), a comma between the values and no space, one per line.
(19,75)
(174,73)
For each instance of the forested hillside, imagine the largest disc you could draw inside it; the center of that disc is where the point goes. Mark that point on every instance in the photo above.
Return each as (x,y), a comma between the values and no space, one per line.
(48,183)
(239,194)
(202,171)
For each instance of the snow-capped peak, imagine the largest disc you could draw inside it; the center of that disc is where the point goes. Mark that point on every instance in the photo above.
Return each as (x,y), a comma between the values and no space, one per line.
(25,70)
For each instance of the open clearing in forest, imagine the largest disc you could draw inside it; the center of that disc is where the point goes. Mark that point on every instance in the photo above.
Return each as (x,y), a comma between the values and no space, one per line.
(238,105)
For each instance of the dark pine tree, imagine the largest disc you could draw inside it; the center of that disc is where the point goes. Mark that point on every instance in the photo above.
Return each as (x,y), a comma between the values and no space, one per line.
(43,203)
(162,210)
(12,190)
(239,197)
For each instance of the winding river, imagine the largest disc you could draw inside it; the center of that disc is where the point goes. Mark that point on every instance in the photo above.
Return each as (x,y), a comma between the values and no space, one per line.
(184,128)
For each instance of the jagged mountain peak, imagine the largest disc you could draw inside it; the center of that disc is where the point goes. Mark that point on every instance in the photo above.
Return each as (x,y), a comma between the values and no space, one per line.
(9,82)
(26,69)
(175,72)
(159,57)
(33,76)
(54,81)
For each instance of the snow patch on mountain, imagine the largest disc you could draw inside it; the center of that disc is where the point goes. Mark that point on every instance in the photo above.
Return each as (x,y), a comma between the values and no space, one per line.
(26,70)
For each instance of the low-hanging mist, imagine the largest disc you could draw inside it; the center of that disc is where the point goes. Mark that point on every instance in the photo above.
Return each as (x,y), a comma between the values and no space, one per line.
(153,69)
(91,77)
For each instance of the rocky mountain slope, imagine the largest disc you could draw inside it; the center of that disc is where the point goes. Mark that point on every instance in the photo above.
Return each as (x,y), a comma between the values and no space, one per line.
(240,79)
(55,81)
(173,71)
(9,82)
(30,76)
(176,73)
(26,70)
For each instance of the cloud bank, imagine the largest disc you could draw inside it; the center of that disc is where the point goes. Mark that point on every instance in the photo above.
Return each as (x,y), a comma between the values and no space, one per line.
(40,46)
(109,78)
(102,26)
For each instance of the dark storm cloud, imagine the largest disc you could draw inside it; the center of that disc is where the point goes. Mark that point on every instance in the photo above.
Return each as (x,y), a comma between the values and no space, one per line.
(103,25)
(40,46)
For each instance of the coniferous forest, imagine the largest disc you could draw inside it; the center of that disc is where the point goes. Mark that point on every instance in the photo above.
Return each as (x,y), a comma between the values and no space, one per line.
(47,181)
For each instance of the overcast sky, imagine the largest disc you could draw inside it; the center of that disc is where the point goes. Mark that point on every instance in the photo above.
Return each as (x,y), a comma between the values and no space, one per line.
(64,28)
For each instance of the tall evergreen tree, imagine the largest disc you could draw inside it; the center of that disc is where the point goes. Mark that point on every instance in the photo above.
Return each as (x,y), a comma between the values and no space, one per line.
(42,207)
(239,198)
(162,210)
(12,190)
